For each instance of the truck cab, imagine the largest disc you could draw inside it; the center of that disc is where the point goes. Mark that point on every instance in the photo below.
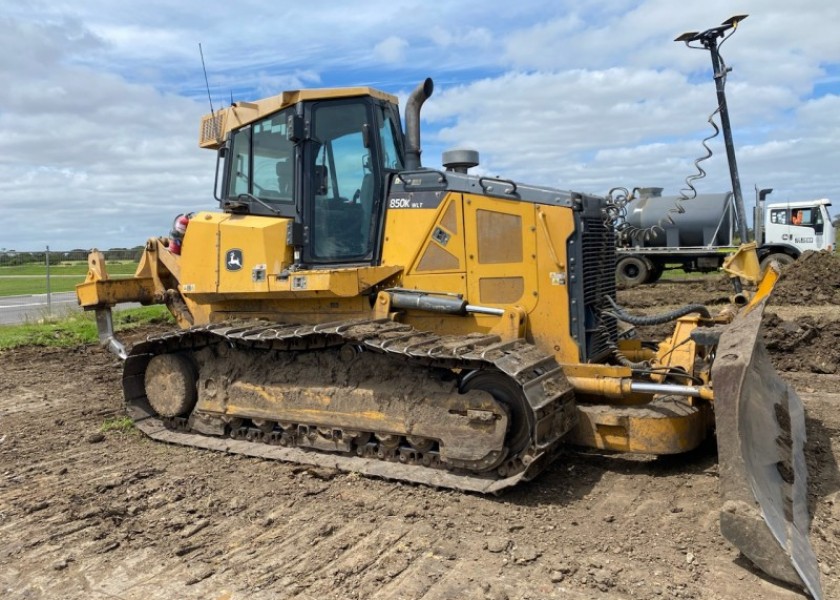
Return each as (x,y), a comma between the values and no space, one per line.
(794,227)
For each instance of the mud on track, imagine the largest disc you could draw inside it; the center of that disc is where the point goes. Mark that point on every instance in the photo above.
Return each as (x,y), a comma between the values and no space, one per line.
(84,515)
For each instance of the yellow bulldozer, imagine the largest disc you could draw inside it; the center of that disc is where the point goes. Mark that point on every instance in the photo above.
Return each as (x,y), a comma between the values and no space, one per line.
(348,307)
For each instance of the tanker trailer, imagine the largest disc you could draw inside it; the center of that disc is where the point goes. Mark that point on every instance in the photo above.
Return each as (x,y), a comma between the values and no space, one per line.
(697,235)
(694,235)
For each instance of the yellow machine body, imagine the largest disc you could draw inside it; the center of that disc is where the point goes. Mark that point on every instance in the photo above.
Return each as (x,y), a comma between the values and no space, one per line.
(433,326)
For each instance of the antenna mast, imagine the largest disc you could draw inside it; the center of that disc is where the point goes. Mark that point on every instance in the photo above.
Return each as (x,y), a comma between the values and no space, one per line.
(207,83)
(709,41)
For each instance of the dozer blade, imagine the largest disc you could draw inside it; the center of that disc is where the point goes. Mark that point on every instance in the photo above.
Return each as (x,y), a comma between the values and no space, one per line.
(760,424)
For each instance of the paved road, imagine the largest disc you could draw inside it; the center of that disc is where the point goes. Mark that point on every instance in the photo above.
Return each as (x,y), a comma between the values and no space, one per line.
(18,309)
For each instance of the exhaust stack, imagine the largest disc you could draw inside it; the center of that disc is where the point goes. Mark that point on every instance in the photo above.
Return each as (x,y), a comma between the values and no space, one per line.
(412,123)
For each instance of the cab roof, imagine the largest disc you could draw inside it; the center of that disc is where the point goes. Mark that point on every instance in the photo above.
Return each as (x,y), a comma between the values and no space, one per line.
(801,203)
(216,125)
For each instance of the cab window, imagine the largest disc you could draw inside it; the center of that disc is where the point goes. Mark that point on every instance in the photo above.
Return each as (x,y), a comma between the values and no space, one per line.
(778,216)
(342,182)
(263,161)
(392,158)
(240,173)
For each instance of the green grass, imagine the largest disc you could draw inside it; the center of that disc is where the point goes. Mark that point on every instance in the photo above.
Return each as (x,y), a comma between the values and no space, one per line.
(77,329)
(19,286)
(32,279)
(118,424)
(117,267)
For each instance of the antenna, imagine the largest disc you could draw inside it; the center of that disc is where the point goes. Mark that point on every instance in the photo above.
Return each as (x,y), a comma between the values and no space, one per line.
(618,198)
(708,40)
(207,83)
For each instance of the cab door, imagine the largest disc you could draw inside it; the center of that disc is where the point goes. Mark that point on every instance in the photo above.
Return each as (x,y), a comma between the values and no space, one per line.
(353,145)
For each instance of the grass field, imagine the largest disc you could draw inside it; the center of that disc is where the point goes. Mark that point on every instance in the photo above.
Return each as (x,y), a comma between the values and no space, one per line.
(77,328)
(32,279)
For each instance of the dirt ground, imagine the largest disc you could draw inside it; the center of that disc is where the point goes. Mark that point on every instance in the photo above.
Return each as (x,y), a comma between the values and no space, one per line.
(114,515)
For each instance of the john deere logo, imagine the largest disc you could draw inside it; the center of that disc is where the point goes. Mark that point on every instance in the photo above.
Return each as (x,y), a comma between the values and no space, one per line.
(233,259)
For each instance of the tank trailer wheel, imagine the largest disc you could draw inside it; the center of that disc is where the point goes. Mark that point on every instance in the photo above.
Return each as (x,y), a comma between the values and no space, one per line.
(655,272)
(632,270)
(171,385)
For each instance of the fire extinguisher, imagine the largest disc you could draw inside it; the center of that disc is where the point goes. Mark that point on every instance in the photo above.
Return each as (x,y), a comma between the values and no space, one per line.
(176,235)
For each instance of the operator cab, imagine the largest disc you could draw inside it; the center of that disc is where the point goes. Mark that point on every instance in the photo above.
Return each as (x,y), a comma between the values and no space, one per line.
(321,161)
(803,224)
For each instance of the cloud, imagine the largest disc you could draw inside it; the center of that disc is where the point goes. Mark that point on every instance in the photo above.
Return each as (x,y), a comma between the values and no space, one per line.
(86,153)
(534,125)
(461,37)
(391,49)
(100,122)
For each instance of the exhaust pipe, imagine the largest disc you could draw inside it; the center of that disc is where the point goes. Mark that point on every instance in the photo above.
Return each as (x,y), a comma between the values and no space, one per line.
(412,123)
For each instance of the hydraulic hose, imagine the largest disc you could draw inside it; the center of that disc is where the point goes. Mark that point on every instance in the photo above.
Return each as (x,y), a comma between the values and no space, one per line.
(642,321)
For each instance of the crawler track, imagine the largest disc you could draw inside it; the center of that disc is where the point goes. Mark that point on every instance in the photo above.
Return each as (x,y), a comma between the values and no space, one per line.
(545,410)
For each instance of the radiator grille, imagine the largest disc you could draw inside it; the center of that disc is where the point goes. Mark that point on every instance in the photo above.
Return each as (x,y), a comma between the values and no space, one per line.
(598,257)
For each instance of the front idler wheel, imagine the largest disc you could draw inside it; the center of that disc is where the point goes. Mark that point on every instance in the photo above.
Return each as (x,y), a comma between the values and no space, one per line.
(170,382)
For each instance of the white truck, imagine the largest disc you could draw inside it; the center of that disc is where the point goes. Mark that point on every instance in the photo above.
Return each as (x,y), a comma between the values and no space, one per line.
(700,234)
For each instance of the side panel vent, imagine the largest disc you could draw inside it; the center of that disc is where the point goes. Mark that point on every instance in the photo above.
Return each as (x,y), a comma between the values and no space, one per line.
(592,265)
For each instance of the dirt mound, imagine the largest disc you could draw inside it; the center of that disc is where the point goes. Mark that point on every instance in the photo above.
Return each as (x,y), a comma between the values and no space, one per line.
(708,291)
(813,279)
(804,344)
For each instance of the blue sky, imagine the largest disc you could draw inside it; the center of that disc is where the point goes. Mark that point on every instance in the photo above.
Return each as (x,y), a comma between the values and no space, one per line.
(101,110)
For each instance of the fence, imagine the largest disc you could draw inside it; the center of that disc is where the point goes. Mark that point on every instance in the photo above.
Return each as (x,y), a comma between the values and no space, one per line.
(41,283)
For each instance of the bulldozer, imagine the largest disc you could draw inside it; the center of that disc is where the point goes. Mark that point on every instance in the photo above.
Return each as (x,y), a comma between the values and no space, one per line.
(347,307)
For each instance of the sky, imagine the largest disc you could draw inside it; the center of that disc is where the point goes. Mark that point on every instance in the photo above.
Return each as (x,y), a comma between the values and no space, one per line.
(101,101)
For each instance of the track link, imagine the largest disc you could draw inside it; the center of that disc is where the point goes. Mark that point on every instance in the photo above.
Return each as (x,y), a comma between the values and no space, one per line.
(548,397)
